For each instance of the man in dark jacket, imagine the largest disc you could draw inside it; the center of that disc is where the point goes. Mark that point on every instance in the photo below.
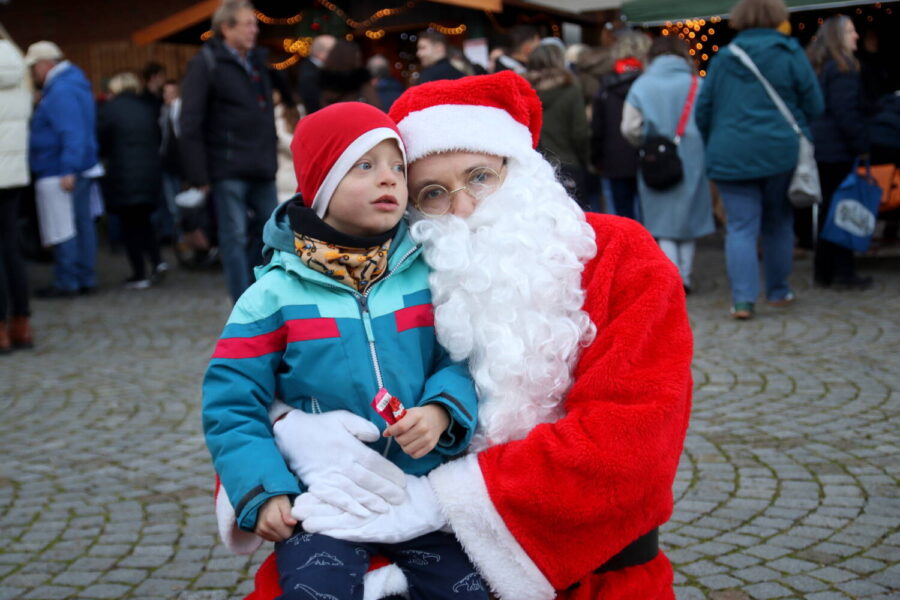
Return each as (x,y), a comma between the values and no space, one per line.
(308,88)
(432,52)
(228,138)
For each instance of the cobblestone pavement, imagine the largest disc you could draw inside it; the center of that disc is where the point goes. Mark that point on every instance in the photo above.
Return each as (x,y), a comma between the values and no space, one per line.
(788,487)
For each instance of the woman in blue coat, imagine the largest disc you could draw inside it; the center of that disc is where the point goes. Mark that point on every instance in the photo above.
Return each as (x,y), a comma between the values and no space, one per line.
(679,215)
(840,135)
(751,149)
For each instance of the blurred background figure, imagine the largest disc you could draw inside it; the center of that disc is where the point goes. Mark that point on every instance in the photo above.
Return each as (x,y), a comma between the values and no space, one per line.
(654,106)
(751,149)
(431,50)
(386,85)
(15,108)
(286,118)
(573,53)
(344,77)
(62,149)
(840,136)
(493,55)
(128,132)
(593,64)
(523,39)
(462,63)
(154,78)
(308,81)
(565,136)
(167,226)
(612,156)
(228,141)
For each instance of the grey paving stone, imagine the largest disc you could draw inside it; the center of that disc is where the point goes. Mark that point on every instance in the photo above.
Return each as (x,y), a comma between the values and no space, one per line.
(165,588)
(804,583)
(103,591)
(720,582)
(689,593)
(764,591)
(46,592)
(832,574)
(76,578)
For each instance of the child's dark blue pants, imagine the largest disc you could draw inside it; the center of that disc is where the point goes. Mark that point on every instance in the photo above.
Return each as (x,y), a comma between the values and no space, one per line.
(317,566)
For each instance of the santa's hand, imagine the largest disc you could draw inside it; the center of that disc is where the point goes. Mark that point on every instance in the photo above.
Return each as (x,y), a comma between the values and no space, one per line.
(419,514)
(326,451)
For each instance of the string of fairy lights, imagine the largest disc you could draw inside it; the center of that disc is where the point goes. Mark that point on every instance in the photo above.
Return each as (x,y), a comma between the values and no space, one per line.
(701,34)
(299,47)
(697,33)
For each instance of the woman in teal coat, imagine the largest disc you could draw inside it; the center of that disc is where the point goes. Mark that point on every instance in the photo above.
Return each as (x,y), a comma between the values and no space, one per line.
(681,214)
(751,149)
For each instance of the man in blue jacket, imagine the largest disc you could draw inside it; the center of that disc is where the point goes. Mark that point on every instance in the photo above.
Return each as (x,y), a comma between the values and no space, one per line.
(63,145)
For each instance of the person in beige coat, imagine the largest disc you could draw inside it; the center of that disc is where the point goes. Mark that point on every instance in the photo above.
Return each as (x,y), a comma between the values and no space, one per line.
(15,109)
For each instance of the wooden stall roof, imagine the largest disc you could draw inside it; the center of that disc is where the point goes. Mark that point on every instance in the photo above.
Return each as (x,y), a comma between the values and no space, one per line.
(175,22)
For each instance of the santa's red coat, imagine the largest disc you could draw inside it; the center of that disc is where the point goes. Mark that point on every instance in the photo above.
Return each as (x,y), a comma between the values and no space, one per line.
(538,515)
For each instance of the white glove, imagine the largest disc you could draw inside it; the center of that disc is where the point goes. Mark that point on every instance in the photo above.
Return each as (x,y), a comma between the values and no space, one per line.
(420,513)
(326,452)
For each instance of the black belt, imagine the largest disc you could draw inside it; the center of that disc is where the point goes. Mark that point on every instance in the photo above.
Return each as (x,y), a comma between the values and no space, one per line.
(640,551)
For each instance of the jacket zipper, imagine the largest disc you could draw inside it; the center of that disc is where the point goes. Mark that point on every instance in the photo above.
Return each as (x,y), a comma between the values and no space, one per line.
(363,304)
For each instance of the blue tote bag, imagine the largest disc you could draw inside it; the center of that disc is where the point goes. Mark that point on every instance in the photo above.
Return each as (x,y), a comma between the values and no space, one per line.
(854,207)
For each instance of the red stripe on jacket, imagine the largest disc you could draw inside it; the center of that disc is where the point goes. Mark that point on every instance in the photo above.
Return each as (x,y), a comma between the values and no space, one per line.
(411,317)
(295,330)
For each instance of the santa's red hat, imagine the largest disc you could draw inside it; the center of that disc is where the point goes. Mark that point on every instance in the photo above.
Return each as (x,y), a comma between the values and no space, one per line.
(496,114)
(328,142)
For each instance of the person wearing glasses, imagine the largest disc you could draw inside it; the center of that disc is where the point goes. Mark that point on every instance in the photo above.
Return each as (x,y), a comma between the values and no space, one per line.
(575,330)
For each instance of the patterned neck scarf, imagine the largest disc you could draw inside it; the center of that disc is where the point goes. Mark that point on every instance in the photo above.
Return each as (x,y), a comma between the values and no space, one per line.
(359,268)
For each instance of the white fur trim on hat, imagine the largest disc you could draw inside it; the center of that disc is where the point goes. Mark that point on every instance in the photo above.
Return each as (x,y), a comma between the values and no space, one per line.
(504,564)
(343,164)
(463,127)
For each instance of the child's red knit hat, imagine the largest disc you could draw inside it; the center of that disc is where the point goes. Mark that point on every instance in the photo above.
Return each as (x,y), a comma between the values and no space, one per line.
(328,142)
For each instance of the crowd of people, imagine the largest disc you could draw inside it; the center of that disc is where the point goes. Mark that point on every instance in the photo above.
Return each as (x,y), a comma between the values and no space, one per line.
(225,132)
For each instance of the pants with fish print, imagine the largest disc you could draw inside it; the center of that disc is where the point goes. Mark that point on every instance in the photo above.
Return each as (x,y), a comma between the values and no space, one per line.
(314,566)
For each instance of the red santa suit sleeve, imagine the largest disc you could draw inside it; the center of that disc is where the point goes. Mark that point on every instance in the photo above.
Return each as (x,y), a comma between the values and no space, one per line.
(537,516)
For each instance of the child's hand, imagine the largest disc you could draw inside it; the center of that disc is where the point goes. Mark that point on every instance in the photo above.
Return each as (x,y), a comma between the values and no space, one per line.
(275,522)
(419,431)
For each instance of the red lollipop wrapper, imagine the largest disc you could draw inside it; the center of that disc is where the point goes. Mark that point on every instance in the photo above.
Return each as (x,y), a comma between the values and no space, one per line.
(389,407)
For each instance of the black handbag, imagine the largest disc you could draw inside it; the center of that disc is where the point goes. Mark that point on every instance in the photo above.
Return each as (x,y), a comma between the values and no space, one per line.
(658,158)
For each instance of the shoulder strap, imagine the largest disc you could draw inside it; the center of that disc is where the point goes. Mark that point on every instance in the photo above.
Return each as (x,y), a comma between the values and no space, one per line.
(686,111)
(739,52)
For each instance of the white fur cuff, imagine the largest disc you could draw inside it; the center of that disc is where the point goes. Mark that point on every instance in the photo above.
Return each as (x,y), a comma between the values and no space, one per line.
(510,573)
(237,540)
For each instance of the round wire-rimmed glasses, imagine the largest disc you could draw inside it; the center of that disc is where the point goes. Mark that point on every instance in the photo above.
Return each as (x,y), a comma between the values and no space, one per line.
(435,200)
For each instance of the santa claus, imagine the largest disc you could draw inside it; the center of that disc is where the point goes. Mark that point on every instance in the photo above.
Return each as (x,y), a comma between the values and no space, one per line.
(576,334)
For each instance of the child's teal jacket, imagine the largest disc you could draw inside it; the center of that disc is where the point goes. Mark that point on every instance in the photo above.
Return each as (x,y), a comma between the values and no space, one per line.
(318,345)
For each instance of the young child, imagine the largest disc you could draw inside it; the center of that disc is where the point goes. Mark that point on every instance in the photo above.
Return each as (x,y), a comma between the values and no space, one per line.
(340,312)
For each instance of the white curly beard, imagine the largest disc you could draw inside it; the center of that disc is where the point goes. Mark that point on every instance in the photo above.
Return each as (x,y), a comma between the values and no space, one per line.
(506,287)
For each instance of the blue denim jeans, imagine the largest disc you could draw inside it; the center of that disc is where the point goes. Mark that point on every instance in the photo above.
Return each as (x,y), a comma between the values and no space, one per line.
(242,208)
(754,207)
(75,259)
